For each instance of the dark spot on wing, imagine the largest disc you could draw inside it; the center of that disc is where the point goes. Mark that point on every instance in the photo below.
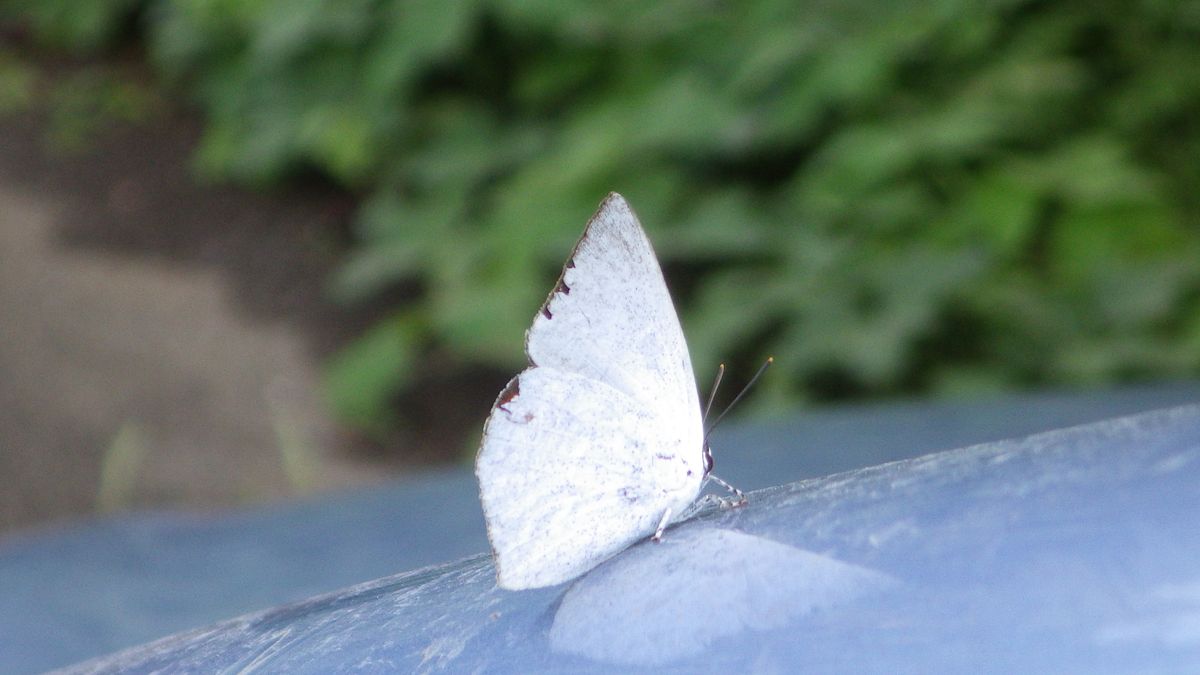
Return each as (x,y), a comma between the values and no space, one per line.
(570,264)
(628,495)
(563,287)
(546,311)
(510,392)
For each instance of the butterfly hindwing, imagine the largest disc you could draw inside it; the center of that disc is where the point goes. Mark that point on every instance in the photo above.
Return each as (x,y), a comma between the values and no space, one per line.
(573,471)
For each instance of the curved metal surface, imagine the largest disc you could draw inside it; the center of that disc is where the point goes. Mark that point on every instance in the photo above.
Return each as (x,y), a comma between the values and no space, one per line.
(1068,551)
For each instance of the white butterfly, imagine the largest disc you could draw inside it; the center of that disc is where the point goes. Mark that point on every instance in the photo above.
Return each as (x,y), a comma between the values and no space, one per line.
(600,441)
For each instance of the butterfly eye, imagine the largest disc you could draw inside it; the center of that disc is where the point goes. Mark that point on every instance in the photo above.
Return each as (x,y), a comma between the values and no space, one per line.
(708,459)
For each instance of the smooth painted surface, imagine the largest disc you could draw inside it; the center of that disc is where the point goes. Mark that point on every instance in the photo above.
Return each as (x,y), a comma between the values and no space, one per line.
(77,592)
(1068,551)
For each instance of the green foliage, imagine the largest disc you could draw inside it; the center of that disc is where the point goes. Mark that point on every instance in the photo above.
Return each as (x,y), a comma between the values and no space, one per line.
(930,195)
(77,26)
(85,103)
(16,84)
(363,377)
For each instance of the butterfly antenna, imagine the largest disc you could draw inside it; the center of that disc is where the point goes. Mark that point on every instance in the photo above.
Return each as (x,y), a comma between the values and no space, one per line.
(712,393)
(761,370)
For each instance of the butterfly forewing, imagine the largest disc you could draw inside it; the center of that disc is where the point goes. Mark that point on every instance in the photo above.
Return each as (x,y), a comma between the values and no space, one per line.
(610,317)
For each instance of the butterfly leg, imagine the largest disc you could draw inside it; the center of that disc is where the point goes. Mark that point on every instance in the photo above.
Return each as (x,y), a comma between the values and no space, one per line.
(662,525)
(740,497)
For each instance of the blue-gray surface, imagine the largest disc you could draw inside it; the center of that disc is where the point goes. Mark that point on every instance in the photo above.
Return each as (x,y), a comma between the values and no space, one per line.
(958,543)
(1069,551)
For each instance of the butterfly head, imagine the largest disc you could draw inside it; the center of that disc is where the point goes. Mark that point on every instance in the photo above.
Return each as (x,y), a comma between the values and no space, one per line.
(708,458)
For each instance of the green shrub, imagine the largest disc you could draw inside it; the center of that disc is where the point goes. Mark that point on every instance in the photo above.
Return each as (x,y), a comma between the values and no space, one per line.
(925,196)
(81,27)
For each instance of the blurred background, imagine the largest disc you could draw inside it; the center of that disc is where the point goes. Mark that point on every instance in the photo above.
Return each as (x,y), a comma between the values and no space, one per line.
(257,249)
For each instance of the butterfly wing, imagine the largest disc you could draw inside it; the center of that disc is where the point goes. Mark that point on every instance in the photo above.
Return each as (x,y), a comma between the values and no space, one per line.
(572,471)
(606,411)
(611,319)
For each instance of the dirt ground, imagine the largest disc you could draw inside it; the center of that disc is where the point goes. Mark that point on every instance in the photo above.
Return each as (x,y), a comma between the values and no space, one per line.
(161,340)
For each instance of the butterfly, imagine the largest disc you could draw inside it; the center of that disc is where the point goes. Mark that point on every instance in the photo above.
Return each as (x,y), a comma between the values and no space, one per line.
(600,441)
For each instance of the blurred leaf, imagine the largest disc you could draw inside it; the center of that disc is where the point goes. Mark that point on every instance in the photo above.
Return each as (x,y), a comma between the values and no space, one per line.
(1099,241)
(362,381)
(89,101)
(997,212)
(78,26)
(1092,170)
(119,469)
(16,84)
